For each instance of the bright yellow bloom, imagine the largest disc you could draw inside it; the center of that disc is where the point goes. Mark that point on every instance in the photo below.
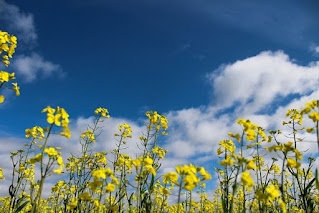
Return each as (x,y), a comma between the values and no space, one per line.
(73,204)
(293,163)
(219,151)
(127,131)
(58,171)
(148,161)
(228,161)
(60,118)
(228,145)
(164,191)
(314,116)
(191,181)
(102,173)
(246,179)
(16,88)
(237,136)
(251,135)
(283,206)
(1,174)
(104,112)
(35,132)
(150,169)
(171,176)
(1,98)
(206,175)
(4,76)
(136,163)
(251,165)
(110,187)
(272,192)
(51,151)
(60,160)
(89,135)
(37,158)
(159,151)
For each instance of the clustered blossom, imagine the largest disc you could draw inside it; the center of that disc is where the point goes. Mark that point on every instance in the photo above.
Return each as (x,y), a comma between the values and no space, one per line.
(59,117)
(8,43)
(157,120)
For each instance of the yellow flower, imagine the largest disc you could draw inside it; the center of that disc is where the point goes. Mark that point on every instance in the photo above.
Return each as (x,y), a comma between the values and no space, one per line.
(89,134)
(136,163)
(85,196)
(237,136)
(246,179)
(219,151)
(58,171)
(110,187)
(51,151)
(102,173)
(251,165)
(283,206)
(171,176)
(104,112)
(150,169)
(73,204)
(16,88)
(251,135)
(37,158)
(4,76)
(227,161)
(1,174)
(292,163)
(228,145)
(60,160)
(1,98)
(159,151)
(49,110)
(148,161)
(164,191)
(206,175)
(314,116)
(272,192)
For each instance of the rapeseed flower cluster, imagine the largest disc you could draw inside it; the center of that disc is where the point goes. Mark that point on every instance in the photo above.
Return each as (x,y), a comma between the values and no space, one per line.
(8,43)
(119,182)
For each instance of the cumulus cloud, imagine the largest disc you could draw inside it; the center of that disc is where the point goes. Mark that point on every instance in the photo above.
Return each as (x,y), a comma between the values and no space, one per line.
(244,89)
(33,66)
(254,83)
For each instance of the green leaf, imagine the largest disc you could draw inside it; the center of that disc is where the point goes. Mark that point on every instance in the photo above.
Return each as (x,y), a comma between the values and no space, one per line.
(317,181)
(21,207)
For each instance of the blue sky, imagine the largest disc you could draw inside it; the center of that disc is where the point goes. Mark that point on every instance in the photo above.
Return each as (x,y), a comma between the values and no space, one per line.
(201,63)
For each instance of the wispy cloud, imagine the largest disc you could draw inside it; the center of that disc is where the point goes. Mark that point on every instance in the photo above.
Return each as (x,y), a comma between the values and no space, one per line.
(30,65)
(18,22)
(34,66)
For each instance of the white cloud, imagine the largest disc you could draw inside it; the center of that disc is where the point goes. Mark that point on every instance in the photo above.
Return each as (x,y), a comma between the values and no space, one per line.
(18,22)
(33,66)
(317,49)
(246,88)
(254,83)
